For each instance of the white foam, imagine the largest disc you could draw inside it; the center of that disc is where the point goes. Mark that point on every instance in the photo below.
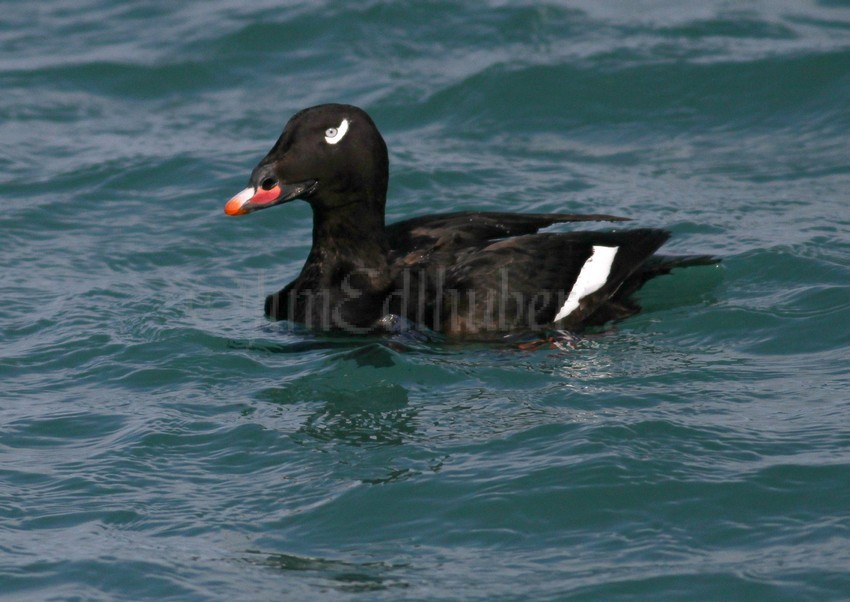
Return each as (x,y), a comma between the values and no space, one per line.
(593,276)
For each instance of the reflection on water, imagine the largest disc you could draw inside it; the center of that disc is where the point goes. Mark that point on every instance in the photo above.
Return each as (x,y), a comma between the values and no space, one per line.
(349,577)
(377,414)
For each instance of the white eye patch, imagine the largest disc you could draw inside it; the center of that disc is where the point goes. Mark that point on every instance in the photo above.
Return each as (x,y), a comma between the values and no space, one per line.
(334,135)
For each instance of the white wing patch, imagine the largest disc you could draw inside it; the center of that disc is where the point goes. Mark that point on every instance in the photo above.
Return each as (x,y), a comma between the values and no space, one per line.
(334,135)
(593,276)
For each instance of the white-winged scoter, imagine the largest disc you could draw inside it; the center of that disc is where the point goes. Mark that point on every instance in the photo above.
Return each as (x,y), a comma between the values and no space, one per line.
(467,274)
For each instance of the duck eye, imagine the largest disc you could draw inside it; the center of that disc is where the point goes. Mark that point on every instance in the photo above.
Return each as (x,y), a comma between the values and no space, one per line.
(268,184)
(334,135)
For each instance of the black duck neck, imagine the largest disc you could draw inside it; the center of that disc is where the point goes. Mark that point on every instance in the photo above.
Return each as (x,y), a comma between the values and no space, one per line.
(346,239)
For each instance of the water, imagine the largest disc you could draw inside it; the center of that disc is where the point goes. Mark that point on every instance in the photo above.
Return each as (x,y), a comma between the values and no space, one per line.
(159,439)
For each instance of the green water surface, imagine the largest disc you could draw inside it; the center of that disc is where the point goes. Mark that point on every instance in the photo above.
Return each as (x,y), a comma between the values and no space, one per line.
(160,439)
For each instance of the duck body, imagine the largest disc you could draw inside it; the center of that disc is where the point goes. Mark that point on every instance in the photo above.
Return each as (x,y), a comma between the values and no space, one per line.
(465,274)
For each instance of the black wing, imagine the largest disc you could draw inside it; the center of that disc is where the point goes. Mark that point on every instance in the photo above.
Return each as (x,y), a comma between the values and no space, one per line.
(524,283)
(437,232)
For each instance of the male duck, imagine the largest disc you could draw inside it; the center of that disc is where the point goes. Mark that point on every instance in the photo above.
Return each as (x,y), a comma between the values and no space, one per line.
(466,274)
